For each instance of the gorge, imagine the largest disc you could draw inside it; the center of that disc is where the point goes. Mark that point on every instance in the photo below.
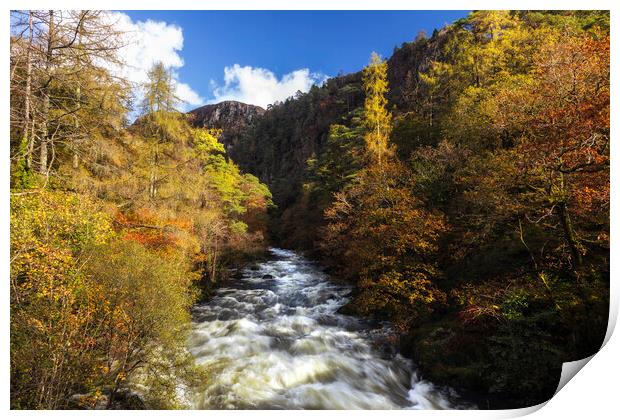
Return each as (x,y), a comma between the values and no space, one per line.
(431,232)
(274,340)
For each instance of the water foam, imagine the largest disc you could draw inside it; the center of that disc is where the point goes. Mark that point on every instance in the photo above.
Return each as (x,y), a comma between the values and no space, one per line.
(280,343)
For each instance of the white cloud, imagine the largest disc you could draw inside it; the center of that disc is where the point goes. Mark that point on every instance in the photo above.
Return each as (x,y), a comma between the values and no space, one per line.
(148,42)
(258,86)
(187,94)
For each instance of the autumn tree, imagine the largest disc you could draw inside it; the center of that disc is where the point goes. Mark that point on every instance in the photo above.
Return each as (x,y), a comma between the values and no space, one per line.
(379,231)
(387,239)
(161,121)
(159,90)
(106,259)
(84,318)
(562,114)
(522,178)
(68,55)
(377,119)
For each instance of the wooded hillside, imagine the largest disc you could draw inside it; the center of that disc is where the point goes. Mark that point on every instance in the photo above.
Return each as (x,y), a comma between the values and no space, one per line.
(483,230)
(116,228)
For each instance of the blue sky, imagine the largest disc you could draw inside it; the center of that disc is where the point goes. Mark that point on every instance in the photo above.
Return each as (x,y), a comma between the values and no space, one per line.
(260,56)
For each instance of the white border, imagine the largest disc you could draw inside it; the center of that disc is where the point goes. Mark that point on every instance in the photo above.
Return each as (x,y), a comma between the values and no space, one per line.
(311,4)
(593,393)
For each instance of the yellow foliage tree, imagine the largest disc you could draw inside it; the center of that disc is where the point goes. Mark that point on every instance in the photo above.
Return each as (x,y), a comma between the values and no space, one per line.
(377,119)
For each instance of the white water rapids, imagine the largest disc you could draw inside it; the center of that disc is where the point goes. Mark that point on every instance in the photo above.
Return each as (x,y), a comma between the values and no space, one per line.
(273,339)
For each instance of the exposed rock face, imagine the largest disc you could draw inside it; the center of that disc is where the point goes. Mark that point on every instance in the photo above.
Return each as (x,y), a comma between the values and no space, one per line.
(231,116)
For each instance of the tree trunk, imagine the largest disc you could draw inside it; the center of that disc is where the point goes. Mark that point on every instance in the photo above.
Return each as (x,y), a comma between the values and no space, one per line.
(26,137)
(214,264)
(46,98)
(78,99)
(44,139)
(430,116)
(153,176)
(569,234)
(152,185)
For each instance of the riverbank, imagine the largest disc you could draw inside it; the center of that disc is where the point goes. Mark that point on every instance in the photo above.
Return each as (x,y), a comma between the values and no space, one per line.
(497,364)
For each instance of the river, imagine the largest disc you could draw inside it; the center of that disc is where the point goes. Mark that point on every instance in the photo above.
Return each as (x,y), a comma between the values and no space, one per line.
(274,340)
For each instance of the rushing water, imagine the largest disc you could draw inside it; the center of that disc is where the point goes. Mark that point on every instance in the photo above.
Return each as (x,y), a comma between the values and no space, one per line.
(273,339)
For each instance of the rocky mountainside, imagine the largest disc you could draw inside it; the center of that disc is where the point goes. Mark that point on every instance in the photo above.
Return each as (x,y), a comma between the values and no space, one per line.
(279,142)
(231,116)
(276,144)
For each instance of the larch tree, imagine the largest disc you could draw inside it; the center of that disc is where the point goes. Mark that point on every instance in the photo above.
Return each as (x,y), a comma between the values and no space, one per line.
(65,74)
(159,90)
(161,120)
(377,119)
(379,227)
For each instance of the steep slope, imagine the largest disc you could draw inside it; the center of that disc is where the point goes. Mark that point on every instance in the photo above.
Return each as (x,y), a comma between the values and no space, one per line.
(231,116)
(277,146)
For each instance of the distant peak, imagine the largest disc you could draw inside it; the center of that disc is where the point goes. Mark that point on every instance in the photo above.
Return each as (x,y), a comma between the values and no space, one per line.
(227,104)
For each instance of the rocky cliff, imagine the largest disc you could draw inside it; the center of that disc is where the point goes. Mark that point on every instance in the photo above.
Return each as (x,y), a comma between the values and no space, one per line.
(231,116)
